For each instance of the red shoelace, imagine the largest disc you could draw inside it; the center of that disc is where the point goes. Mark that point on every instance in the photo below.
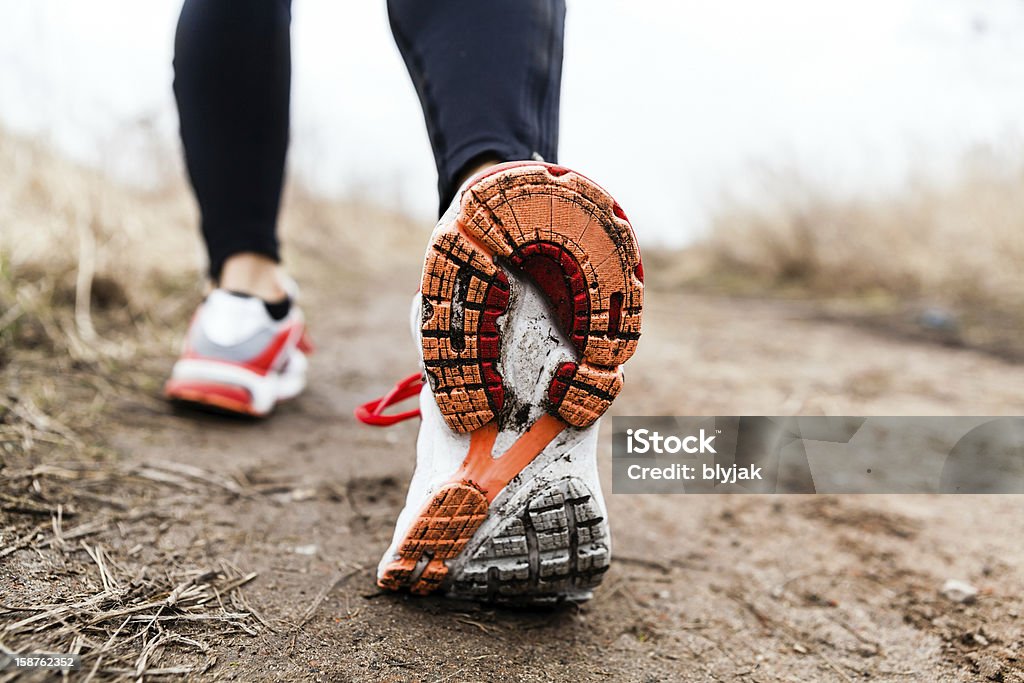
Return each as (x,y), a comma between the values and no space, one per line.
(372,412)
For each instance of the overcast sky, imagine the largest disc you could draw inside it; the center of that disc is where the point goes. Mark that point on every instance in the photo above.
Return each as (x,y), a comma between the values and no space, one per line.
(668,104)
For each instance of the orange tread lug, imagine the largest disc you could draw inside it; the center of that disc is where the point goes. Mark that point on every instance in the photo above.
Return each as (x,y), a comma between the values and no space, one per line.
(441,531)
(561,215)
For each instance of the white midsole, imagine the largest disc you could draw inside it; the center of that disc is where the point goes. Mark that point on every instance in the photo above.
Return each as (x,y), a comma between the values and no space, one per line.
(265,390)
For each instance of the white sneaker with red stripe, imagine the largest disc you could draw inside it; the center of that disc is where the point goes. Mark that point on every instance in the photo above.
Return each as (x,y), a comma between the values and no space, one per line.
(238,359)
(530,302)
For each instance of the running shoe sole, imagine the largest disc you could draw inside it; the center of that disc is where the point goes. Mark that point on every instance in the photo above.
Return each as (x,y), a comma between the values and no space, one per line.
(231,388)
(549,540)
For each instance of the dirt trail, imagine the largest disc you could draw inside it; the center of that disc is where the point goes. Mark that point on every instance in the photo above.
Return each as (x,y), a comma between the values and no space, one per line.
(702,588)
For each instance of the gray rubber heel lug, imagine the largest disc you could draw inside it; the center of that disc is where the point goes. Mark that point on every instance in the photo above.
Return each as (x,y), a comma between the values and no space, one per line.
(555,549)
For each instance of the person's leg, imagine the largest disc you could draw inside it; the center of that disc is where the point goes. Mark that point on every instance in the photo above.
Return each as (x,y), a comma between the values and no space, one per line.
(488,74)
(232,72)
(244,351)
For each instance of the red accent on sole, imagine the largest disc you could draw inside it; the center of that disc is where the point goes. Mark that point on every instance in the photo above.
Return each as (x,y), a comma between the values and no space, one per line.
(553,268)
(225,397)
(560,383)
(614,315)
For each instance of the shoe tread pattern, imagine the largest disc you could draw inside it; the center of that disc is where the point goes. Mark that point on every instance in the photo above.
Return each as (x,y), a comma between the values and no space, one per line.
(556,547)
(517,216)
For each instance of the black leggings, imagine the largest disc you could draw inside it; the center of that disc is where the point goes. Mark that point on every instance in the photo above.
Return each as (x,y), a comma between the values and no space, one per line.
(488,74)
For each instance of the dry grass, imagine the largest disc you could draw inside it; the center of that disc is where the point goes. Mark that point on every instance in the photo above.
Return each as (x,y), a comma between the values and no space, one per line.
(933,262)
(960,243)
(77,250)
(130,608)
